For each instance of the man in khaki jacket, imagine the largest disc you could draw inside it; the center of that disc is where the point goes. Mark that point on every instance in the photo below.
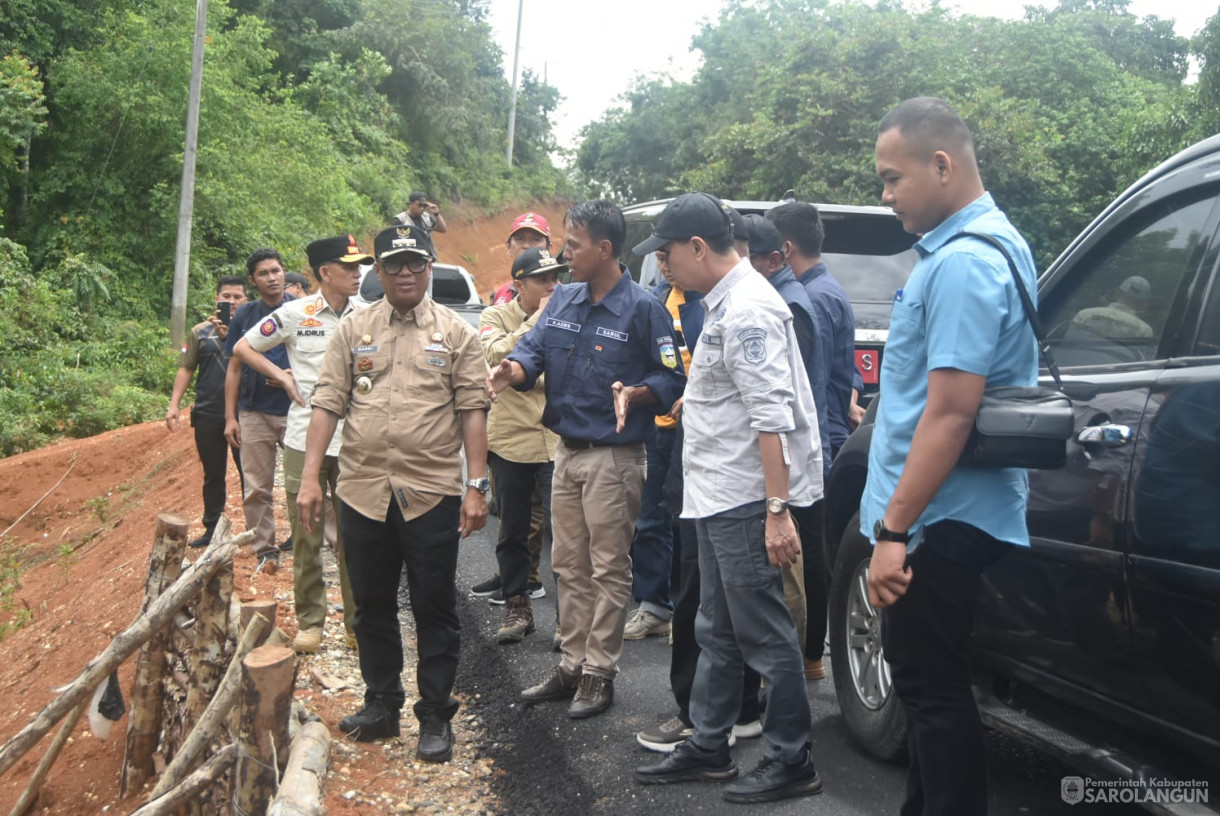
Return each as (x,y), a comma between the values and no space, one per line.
(521,451)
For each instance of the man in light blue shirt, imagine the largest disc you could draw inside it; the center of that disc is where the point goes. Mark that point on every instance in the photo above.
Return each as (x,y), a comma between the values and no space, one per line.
(957,327)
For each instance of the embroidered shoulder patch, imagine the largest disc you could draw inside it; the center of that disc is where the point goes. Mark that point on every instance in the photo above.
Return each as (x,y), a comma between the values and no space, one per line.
(754,342)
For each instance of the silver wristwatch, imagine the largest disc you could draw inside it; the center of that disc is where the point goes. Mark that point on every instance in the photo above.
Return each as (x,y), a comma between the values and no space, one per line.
(482,484)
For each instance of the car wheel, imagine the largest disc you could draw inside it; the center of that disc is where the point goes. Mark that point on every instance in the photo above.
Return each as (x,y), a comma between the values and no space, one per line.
(874,717)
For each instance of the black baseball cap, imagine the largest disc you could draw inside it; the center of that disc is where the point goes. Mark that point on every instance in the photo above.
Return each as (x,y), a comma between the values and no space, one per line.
(297,278)
(763,235)
(536,261)
(402,240)
(417,196)
(341,248)
(685,217)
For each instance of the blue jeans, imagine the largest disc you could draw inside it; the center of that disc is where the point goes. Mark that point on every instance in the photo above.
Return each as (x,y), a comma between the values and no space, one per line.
(652,550)
(743,620)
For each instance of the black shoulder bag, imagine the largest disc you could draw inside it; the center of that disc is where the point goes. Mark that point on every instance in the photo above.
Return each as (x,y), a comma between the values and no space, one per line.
(1018,425)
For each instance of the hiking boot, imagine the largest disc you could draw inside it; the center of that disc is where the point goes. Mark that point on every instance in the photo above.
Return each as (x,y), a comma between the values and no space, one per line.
(373,722)
(203,540)
(642,624)
(518,620)
(814,670)
(482,590)
(772,780)
(664,737)
(594,694)
(268,563)
(687,763)
(308,641)
(349,640)
(558,685)
(435,740)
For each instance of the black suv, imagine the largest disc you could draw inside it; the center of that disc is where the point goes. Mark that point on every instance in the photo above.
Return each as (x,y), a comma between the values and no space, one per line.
(865,249)
(1101,641)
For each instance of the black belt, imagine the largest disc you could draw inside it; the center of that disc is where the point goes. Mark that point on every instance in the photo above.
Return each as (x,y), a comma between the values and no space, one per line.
(582,444)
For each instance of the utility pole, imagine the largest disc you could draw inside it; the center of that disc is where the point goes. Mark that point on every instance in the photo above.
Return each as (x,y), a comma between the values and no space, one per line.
(186,200)
(512,107)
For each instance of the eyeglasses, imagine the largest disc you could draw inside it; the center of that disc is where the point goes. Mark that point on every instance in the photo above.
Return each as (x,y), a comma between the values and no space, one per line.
(414,264)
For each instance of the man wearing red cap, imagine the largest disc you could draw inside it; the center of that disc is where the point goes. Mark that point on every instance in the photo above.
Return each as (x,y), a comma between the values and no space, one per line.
(529,231)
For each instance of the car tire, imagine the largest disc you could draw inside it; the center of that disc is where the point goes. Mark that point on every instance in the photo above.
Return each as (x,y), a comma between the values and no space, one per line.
(871,710)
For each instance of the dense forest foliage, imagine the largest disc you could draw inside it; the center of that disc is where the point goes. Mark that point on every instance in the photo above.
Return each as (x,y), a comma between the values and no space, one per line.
(318,116)
(1068,106)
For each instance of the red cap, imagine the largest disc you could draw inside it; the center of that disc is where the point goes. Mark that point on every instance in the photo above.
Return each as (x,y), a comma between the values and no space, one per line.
(531,221)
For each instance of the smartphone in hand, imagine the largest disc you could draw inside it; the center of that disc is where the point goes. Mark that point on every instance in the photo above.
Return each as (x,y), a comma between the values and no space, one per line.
(225,310)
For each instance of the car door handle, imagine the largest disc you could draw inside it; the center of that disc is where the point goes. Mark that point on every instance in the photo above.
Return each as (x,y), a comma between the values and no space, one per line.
(1104,436)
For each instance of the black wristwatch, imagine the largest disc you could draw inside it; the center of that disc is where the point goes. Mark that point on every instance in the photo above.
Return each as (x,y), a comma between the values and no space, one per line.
(881,533)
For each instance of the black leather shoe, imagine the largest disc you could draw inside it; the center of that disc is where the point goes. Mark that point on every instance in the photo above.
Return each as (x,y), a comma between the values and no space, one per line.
(688,762)
(373,722)
(594,694)
(559,685)
(435,741)
(772,780)
(203,540)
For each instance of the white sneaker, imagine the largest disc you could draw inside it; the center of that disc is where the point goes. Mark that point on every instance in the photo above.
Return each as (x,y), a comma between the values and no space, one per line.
(750,730)
(642,624)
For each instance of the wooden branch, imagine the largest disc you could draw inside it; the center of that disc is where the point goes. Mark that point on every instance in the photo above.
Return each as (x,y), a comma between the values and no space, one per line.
(266,703)
(147,688)
(213,717)
(207,774)
(122,647)
(301,789)
(267,609)
(40,774)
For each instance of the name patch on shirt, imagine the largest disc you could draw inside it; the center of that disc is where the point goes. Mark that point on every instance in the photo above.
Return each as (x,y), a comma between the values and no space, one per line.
(435,347)
(666,340)
(754,343)
(366,349)
(711,340)
(602,331)
(563,324)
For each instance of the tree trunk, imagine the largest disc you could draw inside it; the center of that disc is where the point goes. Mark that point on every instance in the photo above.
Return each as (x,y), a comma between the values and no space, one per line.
(192,785)
(267,609)
(40,774)
(208,658)
(213,717)
(147,688)
(300,792)
(121,648)
(266,705)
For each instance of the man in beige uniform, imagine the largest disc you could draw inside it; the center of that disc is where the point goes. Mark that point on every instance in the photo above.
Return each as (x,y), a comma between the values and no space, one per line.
(522,450)
(408,376)
(304,327)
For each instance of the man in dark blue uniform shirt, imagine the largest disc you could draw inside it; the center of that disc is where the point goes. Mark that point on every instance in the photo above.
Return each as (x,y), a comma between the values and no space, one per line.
(607,347)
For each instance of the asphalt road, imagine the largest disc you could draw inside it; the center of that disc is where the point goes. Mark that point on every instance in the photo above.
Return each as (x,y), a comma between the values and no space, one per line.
(555,765)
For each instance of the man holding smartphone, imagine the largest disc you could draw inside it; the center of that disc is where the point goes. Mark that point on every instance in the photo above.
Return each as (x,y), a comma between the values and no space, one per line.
(204,353)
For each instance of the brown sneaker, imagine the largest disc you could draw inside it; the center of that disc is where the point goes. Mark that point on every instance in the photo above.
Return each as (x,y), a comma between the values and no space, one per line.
(814,670)
(518,620)
(594,695)
(308,641)
(558,685)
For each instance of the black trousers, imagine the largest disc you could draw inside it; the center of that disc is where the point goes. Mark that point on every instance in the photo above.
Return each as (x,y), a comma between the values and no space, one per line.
(684,654)
(515,484)
(213,450)
(925,637)
(376,552)
(817,600)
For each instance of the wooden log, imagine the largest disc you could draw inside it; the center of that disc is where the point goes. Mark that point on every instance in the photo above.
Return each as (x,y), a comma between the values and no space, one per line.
(192,786)
(208,655)
(122,647)
(301,789)
(266,704)
(265,608)
(147,689)
(40,774)
(213,717)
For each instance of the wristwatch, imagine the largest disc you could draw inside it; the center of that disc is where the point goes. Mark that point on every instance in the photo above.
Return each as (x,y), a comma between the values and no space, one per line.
(882,533)
(776,506)
(482,484)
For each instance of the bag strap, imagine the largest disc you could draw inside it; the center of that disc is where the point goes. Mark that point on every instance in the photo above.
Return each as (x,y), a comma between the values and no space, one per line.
(1027,303)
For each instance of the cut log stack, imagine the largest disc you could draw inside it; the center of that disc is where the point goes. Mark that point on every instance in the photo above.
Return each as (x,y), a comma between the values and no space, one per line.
(271,771)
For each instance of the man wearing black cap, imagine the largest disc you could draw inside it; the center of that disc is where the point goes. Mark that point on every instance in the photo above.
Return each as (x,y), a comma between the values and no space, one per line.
(606,346)
(422,213)
(296,284)
(752,450)
(407,376)
(522,450)
(304,327)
